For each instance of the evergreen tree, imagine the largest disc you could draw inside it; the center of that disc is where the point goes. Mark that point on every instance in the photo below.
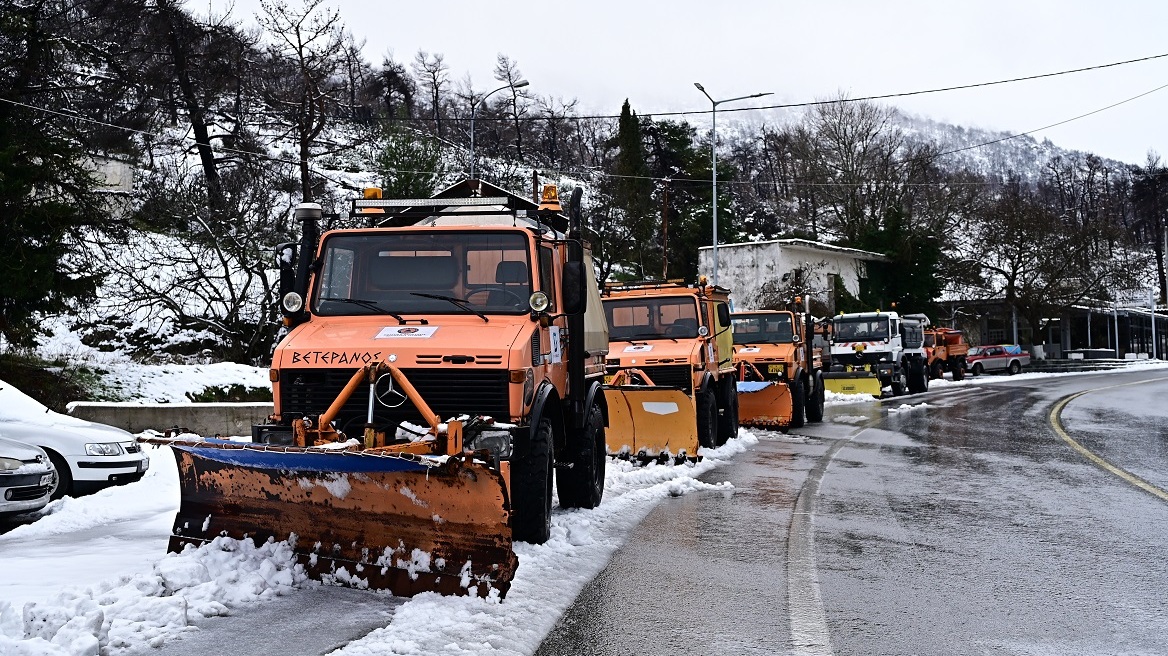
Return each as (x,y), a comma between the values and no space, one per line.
(632,196)
(46,188)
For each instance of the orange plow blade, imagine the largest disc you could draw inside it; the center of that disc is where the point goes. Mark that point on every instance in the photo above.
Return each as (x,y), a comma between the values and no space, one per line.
(764,404)
(397,522)
(651,422)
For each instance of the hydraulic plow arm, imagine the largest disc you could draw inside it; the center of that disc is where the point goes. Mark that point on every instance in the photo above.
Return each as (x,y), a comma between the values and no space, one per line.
(447,440)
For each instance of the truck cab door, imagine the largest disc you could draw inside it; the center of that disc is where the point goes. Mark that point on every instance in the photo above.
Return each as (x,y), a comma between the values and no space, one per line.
(723,335)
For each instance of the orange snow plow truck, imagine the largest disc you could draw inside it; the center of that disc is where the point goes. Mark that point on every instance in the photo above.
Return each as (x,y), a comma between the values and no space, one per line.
(670,375)
(441,369)
(780,372)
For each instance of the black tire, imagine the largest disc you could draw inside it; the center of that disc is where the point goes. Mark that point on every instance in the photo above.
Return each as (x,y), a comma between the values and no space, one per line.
(958,370)
(899,383)
(937,370)
(798,403)
(728,417)
(918,377)
(1015,368)
(64,485)
(531,489)
(977,369)
(707,420)
(815,399)
(582,484)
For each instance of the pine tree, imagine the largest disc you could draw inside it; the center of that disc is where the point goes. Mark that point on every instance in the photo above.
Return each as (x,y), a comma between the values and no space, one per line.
(632,194)
(46,189)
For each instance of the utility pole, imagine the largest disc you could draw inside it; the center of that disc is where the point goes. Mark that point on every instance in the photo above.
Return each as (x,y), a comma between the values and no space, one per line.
(665,231)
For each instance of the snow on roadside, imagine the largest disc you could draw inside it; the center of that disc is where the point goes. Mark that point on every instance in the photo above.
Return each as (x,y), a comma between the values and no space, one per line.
(549,575)
(100,562)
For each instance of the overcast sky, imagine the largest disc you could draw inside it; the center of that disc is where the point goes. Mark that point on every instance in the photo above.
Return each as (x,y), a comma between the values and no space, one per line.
(652,51)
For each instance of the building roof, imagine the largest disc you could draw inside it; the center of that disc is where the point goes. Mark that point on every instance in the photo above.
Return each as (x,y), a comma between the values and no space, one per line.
(808,245)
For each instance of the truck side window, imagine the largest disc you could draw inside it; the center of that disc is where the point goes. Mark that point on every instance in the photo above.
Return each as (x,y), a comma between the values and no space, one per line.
(547,276)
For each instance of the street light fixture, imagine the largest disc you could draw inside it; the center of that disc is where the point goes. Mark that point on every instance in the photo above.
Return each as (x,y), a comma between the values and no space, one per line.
(714,160)
(474,106)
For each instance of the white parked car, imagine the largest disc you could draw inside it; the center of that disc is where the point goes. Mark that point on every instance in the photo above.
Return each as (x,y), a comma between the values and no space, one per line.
(86,455)
(27,478)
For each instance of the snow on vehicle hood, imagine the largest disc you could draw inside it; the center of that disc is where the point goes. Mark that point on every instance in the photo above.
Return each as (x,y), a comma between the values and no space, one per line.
(22,417)
(10,448)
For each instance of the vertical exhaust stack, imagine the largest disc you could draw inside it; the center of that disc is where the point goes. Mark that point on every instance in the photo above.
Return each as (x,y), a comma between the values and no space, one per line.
(575,285)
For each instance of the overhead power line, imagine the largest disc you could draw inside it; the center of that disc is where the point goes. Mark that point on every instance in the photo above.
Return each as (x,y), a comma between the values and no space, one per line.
(290,161)
(814,103)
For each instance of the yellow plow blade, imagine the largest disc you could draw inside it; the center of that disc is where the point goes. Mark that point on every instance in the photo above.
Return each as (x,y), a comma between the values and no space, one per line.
(857,385)
(396,522)
(650,421)
(764,404)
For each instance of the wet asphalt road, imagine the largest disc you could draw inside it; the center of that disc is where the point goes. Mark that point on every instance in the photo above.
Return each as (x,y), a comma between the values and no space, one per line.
(968,526)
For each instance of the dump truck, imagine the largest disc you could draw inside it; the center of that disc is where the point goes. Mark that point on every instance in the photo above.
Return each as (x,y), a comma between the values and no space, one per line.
(874,350)
(441,368)
(779,369)
(946,350)
(670,376)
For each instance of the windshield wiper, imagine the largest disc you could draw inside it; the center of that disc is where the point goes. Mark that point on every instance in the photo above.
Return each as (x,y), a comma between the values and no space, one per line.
(367,304)
(461,303)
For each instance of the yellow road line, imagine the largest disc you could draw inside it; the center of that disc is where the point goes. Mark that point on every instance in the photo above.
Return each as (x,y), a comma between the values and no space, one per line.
(1056,424)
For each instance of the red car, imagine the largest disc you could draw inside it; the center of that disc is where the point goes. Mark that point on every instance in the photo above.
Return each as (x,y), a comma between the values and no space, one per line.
(1003,357)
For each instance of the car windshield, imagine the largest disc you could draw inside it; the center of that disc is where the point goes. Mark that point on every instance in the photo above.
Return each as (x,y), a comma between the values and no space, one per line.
(861,330)
(763,328)
(438,272)
(651,317)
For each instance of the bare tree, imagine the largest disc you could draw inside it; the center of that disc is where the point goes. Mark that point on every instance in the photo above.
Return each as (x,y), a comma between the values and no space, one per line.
(518,101)
(302,85)
(433,76)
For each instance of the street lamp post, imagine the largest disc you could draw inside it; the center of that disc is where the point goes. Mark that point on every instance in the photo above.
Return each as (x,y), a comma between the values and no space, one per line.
(714,160)
(474,107)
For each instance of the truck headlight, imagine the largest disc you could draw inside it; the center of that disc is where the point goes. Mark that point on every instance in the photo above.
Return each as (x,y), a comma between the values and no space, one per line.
(102,449)
(539,301)
(497,443)
(292,302)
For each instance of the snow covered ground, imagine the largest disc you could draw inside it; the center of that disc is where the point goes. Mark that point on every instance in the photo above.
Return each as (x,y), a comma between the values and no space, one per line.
(92,575)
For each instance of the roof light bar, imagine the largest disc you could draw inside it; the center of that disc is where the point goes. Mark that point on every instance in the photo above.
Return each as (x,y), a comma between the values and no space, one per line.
(430,202)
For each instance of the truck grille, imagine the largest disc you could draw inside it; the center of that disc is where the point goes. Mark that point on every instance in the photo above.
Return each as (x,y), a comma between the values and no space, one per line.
(448,392)
(673,375)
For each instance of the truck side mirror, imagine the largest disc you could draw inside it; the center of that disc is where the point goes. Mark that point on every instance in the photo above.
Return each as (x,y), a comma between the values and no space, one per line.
(723,314)
(575,292)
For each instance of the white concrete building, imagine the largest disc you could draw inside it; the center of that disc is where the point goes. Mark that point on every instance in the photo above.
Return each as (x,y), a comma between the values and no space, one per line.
(763,274)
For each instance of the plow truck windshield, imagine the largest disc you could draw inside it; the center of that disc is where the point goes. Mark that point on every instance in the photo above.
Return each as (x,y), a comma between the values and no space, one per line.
(764,329)
(424,273)
(861,330)
(638,318)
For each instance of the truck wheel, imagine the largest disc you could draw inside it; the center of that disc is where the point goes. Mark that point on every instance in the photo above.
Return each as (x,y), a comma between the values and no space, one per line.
(815,399)
(977,369)
(582,484)
(918,378)
(958,370)
(707,420)
(937,371)
(728,419)
(798,403)
(1015,367)
(531,476)
(899,383)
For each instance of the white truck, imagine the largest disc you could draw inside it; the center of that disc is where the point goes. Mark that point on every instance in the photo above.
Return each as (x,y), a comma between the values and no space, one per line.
(874,350)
